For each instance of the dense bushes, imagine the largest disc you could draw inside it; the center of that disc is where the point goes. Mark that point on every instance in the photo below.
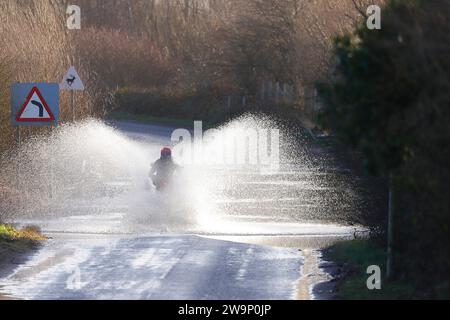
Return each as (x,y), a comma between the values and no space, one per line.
(192,45)
(201,105)
(389,98)
(36,47)
(122,59)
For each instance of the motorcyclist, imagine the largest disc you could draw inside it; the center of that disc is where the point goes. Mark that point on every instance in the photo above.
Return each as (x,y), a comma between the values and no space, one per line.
(163,169)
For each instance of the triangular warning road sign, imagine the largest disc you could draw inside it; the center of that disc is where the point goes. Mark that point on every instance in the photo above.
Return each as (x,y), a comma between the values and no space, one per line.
(72,81)
(35,109)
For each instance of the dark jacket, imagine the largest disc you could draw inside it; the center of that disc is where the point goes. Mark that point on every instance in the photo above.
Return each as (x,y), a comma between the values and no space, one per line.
(162,170)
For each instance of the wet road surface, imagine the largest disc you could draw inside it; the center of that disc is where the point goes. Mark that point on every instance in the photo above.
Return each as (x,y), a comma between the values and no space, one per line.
(110,247)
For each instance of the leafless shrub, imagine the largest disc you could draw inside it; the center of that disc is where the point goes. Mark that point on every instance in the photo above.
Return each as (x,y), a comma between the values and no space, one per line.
(36,47)
(122,59)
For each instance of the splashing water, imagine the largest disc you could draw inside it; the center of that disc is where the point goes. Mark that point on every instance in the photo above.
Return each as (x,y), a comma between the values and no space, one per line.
(92,177)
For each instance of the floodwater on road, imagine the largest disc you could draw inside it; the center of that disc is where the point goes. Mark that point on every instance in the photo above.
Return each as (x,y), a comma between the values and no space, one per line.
(156,267)
(220,233)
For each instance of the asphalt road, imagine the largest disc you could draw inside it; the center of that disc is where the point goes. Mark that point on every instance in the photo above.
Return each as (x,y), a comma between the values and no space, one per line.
(114,248)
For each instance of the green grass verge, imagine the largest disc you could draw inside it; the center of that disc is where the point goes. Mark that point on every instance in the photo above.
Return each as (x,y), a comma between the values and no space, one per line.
(18,240)
(182,123)
(357,255)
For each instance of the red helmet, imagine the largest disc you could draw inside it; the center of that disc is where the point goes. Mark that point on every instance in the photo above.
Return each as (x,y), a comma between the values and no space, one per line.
(166,152)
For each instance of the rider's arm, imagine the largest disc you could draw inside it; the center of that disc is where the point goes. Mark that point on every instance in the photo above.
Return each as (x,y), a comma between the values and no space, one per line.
(152,170)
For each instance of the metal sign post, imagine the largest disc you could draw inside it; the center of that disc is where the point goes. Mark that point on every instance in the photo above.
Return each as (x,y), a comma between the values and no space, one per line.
(18,162)
(32,104)
(72,82)
(72,104)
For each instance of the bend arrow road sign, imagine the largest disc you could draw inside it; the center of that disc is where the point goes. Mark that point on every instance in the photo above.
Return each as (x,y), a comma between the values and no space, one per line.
(34,104)
(35,109)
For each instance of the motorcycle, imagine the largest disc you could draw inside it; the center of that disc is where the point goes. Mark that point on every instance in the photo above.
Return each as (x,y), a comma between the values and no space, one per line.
(161,185)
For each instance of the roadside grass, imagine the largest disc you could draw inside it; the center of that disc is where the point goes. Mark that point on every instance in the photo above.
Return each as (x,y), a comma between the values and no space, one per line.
(19,239)
(144,118)
(356,256)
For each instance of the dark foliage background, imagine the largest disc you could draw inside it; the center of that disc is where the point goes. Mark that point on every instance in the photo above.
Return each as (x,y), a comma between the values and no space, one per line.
(389,98)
